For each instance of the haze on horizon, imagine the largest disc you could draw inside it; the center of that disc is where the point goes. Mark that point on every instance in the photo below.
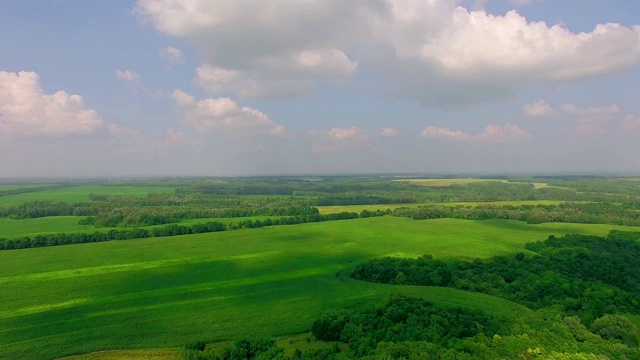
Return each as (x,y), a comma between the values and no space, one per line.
(232,87)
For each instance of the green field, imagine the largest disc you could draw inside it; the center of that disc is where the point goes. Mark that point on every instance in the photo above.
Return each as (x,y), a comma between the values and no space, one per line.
(166,292)
(80,194)
(10,228)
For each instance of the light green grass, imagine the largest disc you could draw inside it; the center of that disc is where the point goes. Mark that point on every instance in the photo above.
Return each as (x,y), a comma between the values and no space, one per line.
(10,228)
(79,194)
(166,292)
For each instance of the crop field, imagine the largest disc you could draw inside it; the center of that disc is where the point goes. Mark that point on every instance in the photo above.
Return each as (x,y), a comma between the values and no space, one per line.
(165,292)
(448,182)
(79,194)
(463,181)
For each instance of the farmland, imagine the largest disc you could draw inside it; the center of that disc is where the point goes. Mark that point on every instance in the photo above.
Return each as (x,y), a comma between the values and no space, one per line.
(268,282)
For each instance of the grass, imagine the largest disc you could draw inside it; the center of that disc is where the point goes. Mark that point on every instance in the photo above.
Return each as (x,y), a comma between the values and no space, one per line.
(10,228)
(79,194)
(166,292)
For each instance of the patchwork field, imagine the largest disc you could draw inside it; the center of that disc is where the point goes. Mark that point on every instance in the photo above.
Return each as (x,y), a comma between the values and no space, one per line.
(165,292)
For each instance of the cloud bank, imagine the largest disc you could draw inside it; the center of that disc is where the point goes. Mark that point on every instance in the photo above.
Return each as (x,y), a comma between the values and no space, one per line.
(26,110)
(435,52)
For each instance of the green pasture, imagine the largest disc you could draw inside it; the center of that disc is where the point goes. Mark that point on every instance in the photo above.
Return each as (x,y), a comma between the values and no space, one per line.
(10,228)
(80,194)
(166,292)
(6,187)
(359,208)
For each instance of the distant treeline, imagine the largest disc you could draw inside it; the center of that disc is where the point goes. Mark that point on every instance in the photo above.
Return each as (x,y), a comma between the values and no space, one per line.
(581,213)
(169,230)
(121,213)
(587,276)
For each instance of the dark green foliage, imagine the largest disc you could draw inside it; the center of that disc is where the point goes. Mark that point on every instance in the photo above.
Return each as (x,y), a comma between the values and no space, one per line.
(588,276)
(616,327)
(198,345)
(403,319)
(583,213)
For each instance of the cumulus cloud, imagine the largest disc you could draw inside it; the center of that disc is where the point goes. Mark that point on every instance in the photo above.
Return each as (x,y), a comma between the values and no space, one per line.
(389,132)
(128,76)
(504,133)
(539,108)
(224,114)
(434,132)
(632,122)
(173,55)
(492,133)
(592,114)
(26,110)
(283,46)
(337,139)
(436,52)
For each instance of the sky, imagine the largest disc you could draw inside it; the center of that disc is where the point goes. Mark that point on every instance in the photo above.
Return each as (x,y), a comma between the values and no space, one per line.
(238,87)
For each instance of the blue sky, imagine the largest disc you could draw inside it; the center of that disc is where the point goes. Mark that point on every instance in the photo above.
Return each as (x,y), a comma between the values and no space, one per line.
(195,87)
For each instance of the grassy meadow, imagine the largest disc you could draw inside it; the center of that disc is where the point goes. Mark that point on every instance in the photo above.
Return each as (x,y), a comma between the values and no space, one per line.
(166,292)
(77,194)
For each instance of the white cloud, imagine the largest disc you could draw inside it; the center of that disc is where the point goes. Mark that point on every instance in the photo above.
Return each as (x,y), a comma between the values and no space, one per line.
(492,133)
(182,98)
(504,133)
(172,54)
(25,109)
(214,114)
(389,132)
(215,79)
(337,139)
(587,128)
(434,132)
(285,47)
(632,122)
(433,51)
(539,108)
(593,114)
(128,76)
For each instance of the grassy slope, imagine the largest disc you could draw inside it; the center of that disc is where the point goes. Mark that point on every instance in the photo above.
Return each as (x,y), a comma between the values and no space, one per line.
(79,194)
(165,292)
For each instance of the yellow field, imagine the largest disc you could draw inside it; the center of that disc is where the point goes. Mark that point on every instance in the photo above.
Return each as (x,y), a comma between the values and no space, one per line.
(447,182)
